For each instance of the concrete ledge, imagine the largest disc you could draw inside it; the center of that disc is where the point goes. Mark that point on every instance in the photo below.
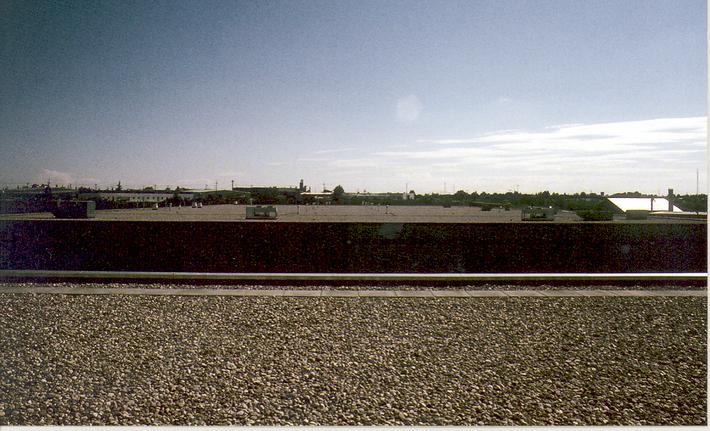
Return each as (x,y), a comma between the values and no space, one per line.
(414,293)
(524,293)
(450,293)
(377,293)
(340,293)
(349,293)
(486,293)
(309,293)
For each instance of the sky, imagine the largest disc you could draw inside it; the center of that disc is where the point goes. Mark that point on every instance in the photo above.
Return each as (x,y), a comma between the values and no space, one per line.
(432,96)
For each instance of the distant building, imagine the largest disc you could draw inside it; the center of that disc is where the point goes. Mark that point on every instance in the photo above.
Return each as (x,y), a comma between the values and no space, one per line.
(385,195)
(135,197)
(317,197)
(646,203)
(652,204)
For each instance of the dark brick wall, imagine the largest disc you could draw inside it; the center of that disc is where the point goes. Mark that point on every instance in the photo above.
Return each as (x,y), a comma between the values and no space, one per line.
(352,247)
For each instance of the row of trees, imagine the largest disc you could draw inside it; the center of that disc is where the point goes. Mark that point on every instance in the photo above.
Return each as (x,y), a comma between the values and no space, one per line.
(572,202)
(275,196)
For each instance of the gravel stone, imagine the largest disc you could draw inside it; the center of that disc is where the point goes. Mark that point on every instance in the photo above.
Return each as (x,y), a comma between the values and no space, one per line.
(162,360)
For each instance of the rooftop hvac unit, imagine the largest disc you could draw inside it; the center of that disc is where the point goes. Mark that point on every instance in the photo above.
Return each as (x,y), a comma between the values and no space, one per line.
(637,214)
(538,214)
(595,215)
(262,213)
(75,209)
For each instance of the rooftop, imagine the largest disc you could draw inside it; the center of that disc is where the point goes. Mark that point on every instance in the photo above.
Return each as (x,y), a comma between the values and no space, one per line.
(336,213)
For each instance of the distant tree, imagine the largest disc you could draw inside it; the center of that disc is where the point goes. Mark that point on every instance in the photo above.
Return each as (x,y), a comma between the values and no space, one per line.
(461,196)
(691,202)
(118,187)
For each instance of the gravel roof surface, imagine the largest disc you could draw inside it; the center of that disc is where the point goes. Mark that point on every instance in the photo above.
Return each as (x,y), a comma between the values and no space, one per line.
(79,360)
(338,213)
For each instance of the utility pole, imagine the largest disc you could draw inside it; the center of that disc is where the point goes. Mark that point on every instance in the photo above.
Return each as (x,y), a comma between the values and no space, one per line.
(215,186)
(232,184)
(697,181)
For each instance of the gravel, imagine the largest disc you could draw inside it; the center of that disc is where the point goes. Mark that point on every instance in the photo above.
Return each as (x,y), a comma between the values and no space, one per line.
(146,360)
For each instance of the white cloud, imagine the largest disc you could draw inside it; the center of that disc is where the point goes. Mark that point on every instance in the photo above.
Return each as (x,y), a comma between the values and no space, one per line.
(616,156)
(619,135)
(632,138)
(362,162)
(333,150)
(408,109)
(55,177)
(647,132)
(439,153)
(312,159)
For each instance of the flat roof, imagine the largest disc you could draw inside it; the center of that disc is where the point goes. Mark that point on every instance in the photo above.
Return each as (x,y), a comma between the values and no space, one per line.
(335,214)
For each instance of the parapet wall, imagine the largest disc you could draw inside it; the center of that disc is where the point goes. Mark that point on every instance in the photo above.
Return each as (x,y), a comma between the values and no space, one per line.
(352,247)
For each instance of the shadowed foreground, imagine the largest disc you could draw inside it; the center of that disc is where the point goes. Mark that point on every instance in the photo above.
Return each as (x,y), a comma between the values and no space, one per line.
(83,360)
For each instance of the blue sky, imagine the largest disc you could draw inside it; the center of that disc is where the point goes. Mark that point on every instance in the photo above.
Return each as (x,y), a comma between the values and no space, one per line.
(564,96)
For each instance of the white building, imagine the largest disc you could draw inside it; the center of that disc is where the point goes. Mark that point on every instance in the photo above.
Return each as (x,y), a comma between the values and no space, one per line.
(646,204)
(136,197)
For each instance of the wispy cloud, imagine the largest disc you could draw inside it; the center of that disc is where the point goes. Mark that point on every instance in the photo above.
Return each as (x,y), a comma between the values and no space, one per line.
(658,138)
(333,150)
(55,177)
(613,156)
(361,162)
(312,159)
